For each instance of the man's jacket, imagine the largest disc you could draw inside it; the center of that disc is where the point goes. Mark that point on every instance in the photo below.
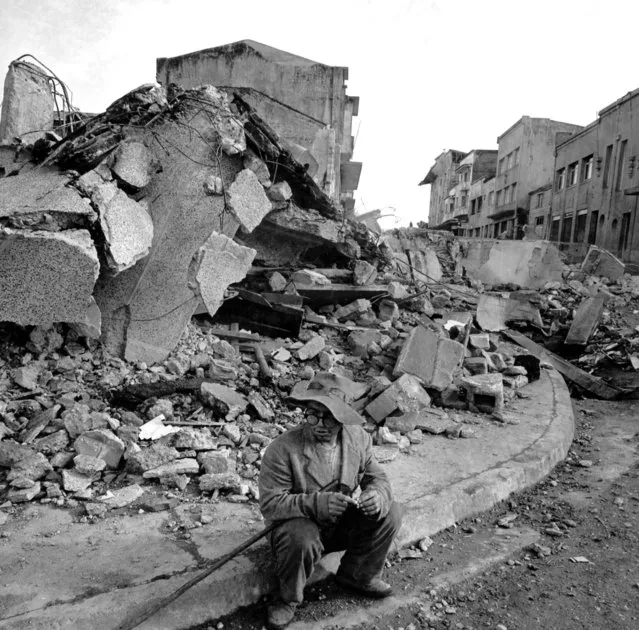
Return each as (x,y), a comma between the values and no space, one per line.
(283,479)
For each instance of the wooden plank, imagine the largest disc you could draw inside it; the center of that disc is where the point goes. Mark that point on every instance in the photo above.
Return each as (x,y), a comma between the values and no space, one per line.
(593,384)
(341,293)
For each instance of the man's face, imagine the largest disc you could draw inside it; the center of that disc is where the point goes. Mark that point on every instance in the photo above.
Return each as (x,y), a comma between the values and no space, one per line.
(322,423)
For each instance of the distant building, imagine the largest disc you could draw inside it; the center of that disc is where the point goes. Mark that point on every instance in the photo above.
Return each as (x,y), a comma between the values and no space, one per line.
(596,183)
(525,161)
(442,178)
(539,203)
(304,101)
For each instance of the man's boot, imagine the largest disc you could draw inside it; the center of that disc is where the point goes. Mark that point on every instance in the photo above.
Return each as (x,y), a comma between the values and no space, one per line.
(280,614)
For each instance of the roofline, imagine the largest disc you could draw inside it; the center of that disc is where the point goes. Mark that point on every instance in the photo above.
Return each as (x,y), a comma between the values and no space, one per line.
(619,101)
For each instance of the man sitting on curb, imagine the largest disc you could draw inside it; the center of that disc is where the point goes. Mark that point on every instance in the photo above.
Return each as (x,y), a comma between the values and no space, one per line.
(330,446)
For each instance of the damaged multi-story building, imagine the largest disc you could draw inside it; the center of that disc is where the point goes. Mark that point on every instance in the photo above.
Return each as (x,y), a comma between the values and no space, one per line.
(304,101)
(123,224)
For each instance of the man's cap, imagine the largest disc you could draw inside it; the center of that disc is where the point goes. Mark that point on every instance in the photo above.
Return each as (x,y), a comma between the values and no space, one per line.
(335,393)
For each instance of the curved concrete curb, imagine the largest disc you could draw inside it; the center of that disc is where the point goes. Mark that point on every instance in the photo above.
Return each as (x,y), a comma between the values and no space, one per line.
(431,513)
(456,490)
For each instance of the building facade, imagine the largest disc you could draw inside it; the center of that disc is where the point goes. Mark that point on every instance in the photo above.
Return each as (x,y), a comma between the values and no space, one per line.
(596,183)
(304,101)
(442,178)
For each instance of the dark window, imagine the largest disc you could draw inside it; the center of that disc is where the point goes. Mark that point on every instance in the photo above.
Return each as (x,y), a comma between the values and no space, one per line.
(621,160)
(592,232)
(586,168)
(580,227)
(560,179)
(607,161)
(539,220)
(540,200)
(566,230)
(554,230)
(623,233)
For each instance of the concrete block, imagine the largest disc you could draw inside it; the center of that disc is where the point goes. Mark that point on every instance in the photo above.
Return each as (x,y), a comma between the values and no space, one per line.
(360,341)
(195,439)
(27,104)
(397,291)
(364,273)
(476,365)
(75,481)
(127,229)
(252,162)
(406,394)
(480,341)
(184,466)
(46,276)
(387,311)
(213,393)
(600,262)
(308,277)
(356,307)
(103,444)
(430,357)
(585,321)
(277,282)
(223,262)
(133,164)
(247,200)
(311,348)
(279,192)
(485,392)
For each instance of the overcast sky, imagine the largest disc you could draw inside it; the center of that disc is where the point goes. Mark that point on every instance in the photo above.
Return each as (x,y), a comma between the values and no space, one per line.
(431,75)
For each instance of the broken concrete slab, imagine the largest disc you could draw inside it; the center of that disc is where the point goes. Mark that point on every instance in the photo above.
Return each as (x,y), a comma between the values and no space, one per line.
(600,262)
(430,357)
(494,312)
(132,164)
(213,393)
(355,308)
(528,264)
(406,394)
(223,262)
(43,197)
(127,229)
(46,276)
(364,273)
(27,105)
(184,466)
(247,200)
(585,321)
(311,348)
(103,444)
(309,278)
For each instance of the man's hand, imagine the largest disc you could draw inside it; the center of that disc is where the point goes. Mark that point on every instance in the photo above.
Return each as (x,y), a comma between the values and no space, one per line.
(337,504)
(370,503)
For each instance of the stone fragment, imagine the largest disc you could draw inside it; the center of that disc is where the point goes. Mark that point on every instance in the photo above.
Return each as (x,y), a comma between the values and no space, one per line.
(403,424)
(361,341)
(223,481)
(150,457)
(515,382)
(223,262)
(77,420)
(397,291)
(515,370)
(430,357)
(585,321)
(481,341)
(132,164)
(128,231)
(90,325)
(29,464)
(280,192)
(96,510)
(406,394)
(415,436)
(214,463)
(384,454)
(387,311)
(46,276)
(277,282)
(348,311)
(214,393)
(364,273)
(263,409)
(101,443)
(195,439)
(74,481)
(476,365)
(232,432)
(311,348)
(385,436)
(251,161)
(247,200)
(87,465)
(185,466)
(307,277)
(121,497)
(25,494)
(27,377)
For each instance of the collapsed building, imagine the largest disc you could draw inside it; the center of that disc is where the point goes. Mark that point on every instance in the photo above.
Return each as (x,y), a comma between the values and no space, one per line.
(120,227)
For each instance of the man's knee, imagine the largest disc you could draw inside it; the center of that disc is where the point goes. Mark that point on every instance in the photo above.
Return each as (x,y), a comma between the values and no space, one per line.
(297,534)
